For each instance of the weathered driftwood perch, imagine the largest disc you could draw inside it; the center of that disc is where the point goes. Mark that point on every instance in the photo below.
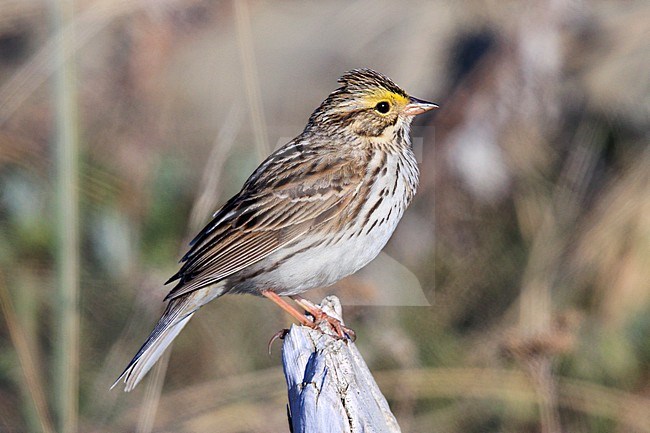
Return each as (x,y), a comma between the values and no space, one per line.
(330,387)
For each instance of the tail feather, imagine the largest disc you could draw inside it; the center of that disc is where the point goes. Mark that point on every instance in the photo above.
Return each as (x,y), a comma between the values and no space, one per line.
(179,311)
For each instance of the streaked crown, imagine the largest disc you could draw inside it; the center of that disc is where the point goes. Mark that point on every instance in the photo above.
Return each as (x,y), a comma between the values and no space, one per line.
(367,81)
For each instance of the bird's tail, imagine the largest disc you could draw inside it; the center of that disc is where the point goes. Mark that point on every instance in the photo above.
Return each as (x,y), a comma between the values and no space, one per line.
(179,311)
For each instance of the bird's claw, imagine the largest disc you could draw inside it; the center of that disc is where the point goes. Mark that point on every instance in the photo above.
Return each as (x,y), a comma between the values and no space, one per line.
(342,332)
(280,334)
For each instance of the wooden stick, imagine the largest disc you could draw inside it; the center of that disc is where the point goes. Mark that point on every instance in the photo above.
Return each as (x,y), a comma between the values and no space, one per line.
(330,386)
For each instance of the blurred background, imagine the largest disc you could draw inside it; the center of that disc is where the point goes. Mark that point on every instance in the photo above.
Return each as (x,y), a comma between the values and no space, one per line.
(124,125)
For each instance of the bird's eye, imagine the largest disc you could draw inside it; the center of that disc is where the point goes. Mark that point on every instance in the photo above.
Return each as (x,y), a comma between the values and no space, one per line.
(383,107)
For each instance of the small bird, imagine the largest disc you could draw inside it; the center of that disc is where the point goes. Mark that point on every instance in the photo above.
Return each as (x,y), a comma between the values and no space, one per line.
(316,210)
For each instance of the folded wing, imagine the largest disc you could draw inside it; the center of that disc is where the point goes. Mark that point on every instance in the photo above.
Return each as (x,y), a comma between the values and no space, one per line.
(290,194)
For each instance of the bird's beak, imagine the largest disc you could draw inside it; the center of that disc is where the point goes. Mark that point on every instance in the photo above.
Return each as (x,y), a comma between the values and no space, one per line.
(418,106)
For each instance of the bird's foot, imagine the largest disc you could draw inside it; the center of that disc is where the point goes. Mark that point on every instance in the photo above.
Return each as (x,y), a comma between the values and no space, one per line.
(320,316)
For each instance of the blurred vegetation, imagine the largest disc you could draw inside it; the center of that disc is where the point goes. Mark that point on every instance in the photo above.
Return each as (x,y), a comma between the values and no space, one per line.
(530,235)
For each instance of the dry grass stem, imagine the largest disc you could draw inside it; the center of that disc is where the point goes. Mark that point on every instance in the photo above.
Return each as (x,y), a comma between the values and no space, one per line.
(28,365)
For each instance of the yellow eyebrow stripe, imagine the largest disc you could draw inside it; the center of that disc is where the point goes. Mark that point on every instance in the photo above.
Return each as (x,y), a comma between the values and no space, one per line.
(385,95)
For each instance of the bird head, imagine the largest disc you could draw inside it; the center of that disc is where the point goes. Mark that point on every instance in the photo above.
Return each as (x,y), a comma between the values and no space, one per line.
(368,104)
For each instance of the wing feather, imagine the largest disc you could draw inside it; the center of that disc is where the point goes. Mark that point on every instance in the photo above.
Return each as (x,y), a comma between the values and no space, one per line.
(274,208)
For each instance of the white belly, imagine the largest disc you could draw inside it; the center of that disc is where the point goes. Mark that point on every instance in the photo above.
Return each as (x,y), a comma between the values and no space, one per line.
(325,265)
